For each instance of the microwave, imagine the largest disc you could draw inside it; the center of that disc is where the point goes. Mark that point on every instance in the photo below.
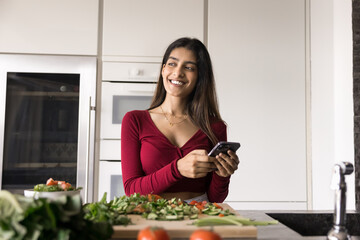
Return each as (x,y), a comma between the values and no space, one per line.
(126,86)
(118,98)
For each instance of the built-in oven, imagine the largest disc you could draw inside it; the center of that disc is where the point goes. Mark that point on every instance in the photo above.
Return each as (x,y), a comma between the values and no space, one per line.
(125,87)
(47,121)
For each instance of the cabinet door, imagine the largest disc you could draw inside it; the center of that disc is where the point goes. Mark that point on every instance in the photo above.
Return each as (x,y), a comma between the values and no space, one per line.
(258,52)
(49,27)
(146,28)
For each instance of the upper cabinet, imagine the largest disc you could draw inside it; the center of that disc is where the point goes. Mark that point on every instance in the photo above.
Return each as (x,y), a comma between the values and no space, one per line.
(142,28)
(49,27)
(258,50)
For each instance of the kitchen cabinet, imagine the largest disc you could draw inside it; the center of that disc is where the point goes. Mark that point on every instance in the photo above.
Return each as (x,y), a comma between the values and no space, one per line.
(258,52)
(145,28)
(49,27)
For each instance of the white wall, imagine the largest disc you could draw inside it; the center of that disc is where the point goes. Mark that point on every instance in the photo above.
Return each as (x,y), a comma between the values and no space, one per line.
(331,97)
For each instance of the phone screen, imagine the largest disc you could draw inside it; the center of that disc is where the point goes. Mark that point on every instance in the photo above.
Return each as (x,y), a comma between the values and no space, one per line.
(223,147)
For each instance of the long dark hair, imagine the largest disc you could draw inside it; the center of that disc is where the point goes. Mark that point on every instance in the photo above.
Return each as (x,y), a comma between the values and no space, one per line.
(202,105)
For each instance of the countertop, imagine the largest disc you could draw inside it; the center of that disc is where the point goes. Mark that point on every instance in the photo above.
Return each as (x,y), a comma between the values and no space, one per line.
(278,231)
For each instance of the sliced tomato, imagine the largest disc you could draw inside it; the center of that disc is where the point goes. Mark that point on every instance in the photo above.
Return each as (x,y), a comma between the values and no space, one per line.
(65,186)
(217,205)
(153,197)
(139,209)
(200,207)
(149,197)
(51,182)
(193,202)
(156,197)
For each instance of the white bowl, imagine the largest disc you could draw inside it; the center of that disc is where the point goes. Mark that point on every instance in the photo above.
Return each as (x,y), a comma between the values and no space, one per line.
(49,195)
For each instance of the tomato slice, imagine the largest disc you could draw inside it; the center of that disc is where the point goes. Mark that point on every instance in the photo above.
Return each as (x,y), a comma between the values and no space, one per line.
(193,202)
(217,205)
(156,197)
(153,197)
(65,185)
(200,207)
(139,209)
(51,182)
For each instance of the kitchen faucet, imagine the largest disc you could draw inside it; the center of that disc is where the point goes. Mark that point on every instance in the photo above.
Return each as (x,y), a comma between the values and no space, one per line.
(339,231)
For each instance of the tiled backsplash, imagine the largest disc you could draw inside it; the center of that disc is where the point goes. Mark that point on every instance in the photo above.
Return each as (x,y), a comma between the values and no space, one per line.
(356,95)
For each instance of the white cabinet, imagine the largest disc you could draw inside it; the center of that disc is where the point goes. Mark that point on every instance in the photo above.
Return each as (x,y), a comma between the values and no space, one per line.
(49,27)
(258,51)
(145,28)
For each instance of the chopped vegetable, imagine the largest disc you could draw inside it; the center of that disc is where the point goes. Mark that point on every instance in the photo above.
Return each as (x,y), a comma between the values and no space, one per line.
(153,207)
(55,186)
(103,212)
(51,182)
(212,209)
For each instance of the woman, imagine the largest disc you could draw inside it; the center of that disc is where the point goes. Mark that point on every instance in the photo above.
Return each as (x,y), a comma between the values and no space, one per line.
(164,150)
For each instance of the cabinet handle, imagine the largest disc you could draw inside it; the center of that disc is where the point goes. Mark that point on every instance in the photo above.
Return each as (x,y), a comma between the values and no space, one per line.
(89,168)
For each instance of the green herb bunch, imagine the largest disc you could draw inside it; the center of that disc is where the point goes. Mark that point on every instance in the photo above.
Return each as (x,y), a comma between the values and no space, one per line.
(61,219)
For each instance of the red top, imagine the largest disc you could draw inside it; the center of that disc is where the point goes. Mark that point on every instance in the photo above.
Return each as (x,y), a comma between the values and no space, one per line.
(149,159)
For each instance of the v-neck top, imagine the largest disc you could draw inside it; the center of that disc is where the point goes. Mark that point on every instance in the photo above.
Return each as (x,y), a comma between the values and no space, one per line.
(149,159)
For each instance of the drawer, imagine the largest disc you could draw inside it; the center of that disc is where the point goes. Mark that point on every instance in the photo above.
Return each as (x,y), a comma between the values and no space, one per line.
(110,150)
(130,72)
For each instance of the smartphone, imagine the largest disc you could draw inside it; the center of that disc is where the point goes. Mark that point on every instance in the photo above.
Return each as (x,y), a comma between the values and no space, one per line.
(223,147)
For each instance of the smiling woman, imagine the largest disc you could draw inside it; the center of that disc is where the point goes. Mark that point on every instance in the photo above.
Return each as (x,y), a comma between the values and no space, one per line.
(165,148)
(180,72)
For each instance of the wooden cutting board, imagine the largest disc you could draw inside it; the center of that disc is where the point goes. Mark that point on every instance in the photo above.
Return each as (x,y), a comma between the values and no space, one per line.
(184,228)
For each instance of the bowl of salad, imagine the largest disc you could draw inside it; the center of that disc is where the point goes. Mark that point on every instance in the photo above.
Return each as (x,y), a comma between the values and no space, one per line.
(52,189)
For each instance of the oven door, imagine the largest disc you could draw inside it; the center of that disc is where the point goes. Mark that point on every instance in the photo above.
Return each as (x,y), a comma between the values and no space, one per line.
(47,121)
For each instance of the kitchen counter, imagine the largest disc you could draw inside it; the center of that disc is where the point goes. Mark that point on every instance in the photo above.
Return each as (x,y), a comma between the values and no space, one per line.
(279,231)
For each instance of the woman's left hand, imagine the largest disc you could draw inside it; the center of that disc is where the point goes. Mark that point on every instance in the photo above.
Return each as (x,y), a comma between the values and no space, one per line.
(226,164)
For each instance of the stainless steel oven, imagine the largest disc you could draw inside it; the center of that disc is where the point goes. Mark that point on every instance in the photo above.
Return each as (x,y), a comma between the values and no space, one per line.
(125,87)
(47,121)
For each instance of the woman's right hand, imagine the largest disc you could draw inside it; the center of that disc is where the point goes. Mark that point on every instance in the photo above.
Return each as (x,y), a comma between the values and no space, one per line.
(195,164)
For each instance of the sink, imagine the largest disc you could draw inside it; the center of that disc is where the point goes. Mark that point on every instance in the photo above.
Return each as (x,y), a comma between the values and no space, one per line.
(316,224)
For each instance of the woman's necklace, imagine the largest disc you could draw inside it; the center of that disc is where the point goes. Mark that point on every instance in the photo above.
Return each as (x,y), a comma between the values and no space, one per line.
(173,123)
